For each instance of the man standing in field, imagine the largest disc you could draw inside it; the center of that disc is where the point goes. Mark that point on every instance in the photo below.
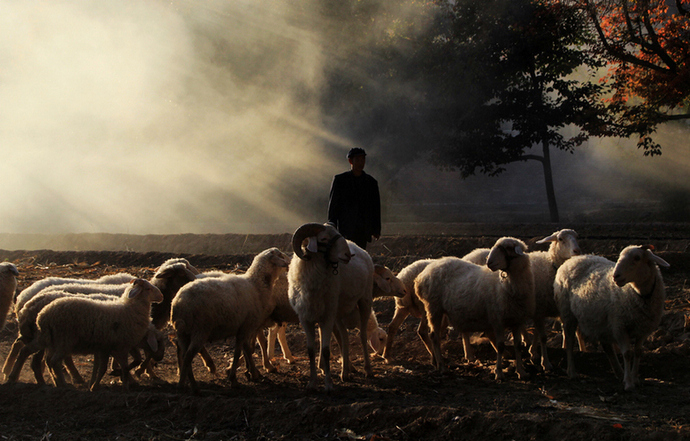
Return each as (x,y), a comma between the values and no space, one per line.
(354,205)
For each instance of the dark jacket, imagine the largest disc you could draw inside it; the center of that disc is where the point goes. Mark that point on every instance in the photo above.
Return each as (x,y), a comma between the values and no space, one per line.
(354,206)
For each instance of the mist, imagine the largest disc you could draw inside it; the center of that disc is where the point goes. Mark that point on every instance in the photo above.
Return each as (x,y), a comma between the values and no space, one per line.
(163,117)
(158,117)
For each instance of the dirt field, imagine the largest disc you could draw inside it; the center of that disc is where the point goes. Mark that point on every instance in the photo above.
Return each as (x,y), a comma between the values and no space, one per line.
(405,400)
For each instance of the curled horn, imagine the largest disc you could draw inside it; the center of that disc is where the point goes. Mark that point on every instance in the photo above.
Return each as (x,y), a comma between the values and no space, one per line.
(306,230)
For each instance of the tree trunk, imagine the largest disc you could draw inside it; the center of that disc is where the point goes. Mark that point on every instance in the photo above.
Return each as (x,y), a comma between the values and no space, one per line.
(548,181)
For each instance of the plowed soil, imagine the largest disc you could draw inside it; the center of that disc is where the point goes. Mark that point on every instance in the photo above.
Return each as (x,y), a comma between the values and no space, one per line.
(405,400)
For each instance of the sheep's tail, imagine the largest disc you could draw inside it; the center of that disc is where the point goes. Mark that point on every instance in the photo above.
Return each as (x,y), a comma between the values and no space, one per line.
(180,325)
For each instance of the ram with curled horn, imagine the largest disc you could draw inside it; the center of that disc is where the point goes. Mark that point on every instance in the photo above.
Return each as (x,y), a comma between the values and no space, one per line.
(328,279)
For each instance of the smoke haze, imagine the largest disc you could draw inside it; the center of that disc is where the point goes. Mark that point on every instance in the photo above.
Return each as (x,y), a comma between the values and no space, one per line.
(162,117)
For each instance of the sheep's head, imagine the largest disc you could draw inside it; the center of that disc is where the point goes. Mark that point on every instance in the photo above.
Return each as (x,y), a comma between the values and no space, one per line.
(176,261)
(503,251)
(386,284)
(635,263)
(139,287)
(377,340)
(9,268)
(177,270)
(563,244)
(276,257)
(153,343)
(320,238)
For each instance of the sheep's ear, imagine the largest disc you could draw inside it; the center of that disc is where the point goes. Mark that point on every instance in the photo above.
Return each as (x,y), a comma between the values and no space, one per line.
(658,260)
(551,238)
(381,283)
(519,251)
(152,341)
(136,289)
(312,244)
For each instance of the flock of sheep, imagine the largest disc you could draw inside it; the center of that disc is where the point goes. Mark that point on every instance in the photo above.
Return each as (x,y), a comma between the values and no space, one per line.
(331,282)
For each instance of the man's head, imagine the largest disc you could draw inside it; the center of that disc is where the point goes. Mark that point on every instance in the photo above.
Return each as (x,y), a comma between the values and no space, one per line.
(357,158)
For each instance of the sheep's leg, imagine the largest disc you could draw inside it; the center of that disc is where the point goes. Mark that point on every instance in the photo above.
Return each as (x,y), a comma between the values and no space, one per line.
(518,346)
(37,363)
(636,363)
(186,351)
(136,359)
(613,359)
(500,346)
(469,351)
(23,352)
(534,349)
(310,333)
(338,334)
(628,363)
(398,318)
(147,367)
(364,314)
(540,339)
(282,339)
(252,372)
(208,361)
(271,339)
(344,342)
(100,366)
(326,330)
(232,371)
(72,369)
(569,327)
(434,321)
(12,358)
(121,358)
(581,341)
(54,360)
(265,359)
(424,335)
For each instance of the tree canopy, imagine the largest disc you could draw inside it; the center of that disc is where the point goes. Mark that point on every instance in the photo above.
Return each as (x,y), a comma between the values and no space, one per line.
(646,44)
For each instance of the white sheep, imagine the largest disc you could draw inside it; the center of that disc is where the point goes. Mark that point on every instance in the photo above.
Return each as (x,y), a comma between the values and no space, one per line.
(80,325)
(8,285)
(327,280)
(221,307)
(406,305)
(385,284)
(168,278)
(562,246)
(40,285)
(613,303)
(481,298)
(27,343)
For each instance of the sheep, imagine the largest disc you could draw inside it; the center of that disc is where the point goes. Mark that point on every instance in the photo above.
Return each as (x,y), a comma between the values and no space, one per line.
(221,307)
(326,281)
(406,305)
(40,285)
(8,285)
(168,278)
(481,298)
(27,343)
(617,303)
(562,246)
(385,284)
(74,325)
